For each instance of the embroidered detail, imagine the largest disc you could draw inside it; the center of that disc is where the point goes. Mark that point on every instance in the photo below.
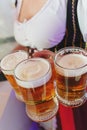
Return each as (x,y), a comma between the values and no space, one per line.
(73,22)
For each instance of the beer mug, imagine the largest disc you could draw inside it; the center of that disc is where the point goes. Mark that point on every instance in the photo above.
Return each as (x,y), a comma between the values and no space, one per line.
(71,75)
(48,55)
(8,64)
(35,79)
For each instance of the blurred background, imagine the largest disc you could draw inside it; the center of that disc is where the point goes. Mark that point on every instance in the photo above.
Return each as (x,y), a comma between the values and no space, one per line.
(7,15)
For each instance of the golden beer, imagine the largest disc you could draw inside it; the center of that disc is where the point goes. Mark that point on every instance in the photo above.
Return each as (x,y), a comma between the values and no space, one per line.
(8,63)
(71,75)
(36,82)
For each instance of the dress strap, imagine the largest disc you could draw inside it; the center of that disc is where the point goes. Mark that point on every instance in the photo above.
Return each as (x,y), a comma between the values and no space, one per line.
(16,3)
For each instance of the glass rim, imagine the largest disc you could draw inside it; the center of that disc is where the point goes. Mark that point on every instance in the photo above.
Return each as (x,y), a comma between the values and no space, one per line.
(32,59)
(66,48)
(3,69)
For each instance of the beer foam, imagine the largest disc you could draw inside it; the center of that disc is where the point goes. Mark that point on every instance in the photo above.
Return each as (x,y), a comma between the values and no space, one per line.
(9,62)
(33,72)
(72,65)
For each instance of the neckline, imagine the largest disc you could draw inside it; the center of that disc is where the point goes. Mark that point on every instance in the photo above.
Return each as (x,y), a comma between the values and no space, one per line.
(33,17)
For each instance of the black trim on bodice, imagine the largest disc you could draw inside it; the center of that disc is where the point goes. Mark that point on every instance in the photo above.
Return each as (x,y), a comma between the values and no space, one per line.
(72,28)
(73,36)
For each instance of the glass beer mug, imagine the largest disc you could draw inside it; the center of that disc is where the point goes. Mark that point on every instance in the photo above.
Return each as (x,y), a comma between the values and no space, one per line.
(35,79)
(8,64)
(71,75)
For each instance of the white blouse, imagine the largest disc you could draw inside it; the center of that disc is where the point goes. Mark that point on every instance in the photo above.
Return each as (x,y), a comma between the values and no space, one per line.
(47,28)
(82,17)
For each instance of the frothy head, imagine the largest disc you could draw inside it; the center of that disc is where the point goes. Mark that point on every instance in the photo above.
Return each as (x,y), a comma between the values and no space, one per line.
(9,62)
(72,61)
(33,72)
(72,65)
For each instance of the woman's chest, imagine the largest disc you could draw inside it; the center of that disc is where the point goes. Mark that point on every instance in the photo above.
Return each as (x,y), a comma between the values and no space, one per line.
(29,8)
